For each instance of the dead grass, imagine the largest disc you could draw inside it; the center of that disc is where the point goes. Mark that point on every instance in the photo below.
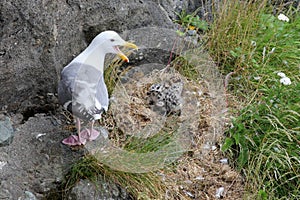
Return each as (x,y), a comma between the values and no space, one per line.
(197,173)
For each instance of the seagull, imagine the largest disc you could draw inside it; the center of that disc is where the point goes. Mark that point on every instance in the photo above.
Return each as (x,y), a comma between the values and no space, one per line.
(82,90)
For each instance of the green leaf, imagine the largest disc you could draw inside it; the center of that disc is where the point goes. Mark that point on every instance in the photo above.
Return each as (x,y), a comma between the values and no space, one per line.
(236,137)
(243,157)
(234,54)
(180,33)
(227,144)
(263,195)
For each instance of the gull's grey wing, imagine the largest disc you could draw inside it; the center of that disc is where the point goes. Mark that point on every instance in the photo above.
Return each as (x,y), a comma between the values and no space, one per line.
(82,91)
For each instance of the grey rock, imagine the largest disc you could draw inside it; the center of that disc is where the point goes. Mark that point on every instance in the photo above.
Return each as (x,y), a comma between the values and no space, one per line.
(86,189)
(29,196)
(6,131)
(5,194)
(35,164)
(192,32)
(38,38)
(156,45)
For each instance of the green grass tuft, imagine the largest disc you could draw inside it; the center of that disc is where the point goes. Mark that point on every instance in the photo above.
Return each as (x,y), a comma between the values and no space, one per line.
(140,186)
(264,137)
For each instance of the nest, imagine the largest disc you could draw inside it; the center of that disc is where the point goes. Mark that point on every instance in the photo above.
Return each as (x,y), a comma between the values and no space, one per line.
(135,115)
(132,115)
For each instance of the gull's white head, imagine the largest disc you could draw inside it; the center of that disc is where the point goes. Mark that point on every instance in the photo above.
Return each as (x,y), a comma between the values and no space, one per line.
(110,42)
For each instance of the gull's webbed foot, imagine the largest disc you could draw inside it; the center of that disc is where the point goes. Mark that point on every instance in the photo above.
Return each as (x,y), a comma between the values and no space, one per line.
(89,134)
(74,140)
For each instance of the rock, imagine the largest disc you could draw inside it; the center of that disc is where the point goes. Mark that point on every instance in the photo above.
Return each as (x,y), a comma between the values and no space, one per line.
(38,38)
(34,164)
(86,189)
(192,32)
(230,176)
(6,131)
(29,196)
(5,194)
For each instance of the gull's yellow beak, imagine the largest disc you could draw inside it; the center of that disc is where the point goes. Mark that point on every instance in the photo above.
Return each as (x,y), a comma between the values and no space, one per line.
(128,45)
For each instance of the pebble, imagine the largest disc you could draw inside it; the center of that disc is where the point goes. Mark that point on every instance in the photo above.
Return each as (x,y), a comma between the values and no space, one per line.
(40,135)
(189,194)
(2,164)
(213,147)
(192,32)
(219,192)
(199,178)
(224,160)
(230,176)
(6,130)
(29,196)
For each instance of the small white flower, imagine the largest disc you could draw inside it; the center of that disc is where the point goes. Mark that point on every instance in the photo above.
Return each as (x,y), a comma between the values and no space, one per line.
(285,81)
(253,43)
(284,18)
(281,74)
(257,78)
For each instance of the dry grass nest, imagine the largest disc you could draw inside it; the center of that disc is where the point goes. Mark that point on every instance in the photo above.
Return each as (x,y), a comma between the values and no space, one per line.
(197,173)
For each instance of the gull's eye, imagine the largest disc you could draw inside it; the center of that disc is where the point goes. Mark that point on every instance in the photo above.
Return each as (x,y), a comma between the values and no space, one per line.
(112,40)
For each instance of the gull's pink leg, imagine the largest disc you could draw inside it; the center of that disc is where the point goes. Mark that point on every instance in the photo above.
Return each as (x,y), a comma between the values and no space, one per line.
(75,140)
(91,134)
